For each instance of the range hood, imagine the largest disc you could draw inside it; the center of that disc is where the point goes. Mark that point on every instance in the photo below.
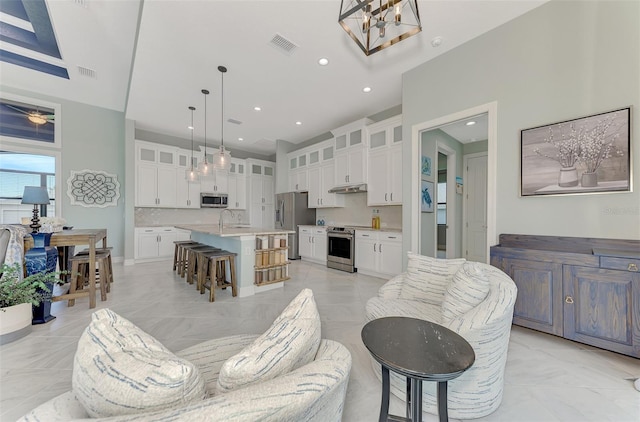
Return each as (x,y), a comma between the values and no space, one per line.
(349,189)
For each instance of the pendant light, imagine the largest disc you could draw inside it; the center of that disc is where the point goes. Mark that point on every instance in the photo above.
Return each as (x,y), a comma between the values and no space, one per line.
(191,173)
(222,159)
(205,169)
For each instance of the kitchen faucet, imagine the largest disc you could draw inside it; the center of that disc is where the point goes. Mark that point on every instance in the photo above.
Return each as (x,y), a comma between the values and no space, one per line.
(221,220)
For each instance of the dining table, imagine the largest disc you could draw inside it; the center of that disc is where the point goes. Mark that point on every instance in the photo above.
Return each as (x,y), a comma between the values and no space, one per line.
(76,237)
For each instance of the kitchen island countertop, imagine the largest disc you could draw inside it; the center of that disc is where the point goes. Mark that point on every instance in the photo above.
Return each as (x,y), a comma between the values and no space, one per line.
(232,230)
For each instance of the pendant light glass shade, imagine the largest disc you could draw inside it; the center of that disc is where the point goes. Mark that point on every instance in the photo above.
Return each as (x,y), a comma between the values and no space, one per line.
(222,158)
(191,173)
(205,169)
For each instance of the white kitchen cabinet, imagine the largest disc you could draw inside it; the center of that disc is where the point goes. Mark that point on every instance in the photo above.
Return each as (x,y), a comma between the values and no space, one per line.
(378,253)
(187,193)
(218,182)
(298,180)
(155,242)
(321,179)
(237,192)
(149,152)
(155,185)
(262,193)
(312,244)
(385,177)
(350,166)
(384,163)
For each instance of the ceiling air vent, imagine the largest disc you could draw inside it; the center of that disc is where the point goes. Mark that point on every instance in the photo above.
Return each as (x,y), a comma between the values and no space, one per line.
(234,121)
(89,73)
(281,43)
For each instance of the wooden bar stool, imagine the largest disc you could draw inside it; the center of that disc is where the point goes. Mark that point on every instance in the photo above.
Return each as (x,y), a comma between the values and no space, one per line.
(79,276)
(217,274)
(179,254)
(184,257)
(109,264)
(192,260)
(202,264)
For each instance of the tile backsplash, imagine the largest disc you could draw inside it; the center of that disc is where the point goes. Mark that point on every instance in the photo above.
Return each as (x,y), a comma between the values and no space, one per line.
(357,212)
(148,217)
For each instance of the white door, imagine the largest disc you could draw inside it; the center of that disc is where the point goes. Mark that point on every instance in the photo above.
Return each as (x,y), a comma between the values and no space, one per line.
(377,192)
(166,186)
(356,166)
(147,185)
(305,245)
(475,199)
(315,184)
(147,244)
(390,257)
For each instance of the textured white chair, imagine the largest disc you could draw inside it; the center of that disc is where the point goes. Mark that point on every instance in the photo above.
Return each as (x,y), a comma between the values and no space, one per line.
(420,293)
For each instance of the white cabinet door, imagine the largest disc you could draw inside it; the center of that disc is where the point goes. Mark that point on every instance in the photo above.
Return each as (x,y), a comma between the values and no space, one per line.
(268,190)
(222,181)
(237,192)
(327,174)
(356,166)
(390,249)
(320,245)
(395,175)
(268,216)
(315,186)
(147,244)
(305,242)
(146,185)
(187,194)
(366,251)
(166,186)
(341,168)
(166,237)
(377,192)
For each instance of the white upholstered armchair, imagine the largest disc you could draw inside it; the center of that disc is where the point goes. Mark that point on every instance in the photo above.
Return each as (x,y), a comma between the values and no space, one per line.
(472,299)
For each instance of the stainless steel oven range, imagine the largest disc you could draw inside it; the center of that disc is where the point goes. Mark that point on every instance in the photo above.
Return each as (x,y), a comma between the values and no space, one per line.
(341,248)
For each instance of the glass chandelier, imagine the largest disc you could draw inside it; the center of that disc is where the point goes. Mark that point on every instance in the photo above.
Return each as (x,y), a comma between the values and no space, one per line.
(205,169)
(377,24)
(191,173)
(222,159)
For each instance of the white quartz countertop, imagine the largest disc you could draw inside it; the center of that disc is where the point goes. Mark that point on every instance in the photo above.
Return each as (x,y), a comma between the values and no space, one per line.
(356,227)
(231,230)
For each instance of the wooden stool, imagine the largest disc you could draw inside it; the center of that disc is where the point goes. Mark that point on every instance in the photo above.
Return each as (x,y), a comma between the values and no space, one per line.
(217,274)
(202,264)
(78,277)
(109,264)
(179,254)
(183,257)
(192,260)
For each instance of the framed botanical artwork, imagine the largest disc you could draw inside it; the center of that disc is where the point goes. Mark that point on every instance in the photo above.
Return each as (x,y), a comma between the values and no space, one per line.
(425,168)
(426,196)
(585,155)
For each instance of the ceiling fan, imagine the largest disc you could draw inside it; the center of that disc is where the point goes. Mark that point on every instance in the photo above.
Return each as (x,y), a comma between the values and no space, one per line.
(34,116)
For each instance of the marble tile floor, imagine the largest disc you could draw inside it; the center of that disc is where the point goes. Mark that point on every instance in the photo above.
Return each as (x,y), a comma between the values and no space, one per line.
(547,378)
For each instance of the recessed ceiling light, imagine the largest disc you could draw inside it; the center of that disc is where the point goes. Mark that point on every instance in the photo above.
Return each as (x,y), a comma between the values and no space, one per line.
(471,123)
(366,89)
(323,61)
(190,127)
(240,139)
(436,42)
(256,108)
(298,123)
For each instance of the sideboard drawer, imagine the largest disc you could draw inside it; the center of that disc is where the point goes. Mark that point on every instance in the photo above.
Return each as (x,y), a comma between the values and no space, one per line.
(624,264)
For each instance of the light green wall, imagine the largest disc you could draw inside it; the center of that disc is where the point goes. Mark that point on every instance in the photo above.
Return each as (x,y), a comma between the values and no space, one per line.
(92,138)
(475,147)
(560,61)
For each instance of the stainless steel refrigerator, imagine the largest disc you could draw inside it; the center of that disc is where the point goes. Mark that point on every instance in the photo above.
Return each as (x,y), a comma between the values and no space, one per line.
(292,210)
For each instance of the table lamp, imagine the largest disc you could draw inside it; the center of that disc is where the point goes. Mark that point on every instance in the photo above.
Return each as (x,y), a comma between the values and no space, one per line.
(36,195)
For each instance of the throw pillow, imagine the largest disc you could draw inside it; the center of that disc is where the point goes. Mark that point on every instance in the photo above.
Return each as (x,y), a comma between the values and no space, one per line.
(291,342)
(119,369)
(469,287)
(427,278)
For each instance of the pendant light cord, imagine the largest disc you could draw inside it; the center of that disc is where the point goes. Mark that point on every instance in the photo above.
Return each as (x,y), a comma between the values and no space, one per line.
(222,114)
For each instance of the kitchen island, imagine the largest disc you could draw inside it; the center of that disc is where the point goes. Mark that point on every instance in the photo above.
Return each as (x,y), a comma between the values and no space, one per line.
(262,258)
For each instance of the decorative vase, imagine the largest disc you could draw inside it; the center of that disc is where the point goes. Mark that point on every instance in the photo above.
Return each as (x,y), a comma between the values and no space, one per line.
(568,177)
(589,180)
(41,258)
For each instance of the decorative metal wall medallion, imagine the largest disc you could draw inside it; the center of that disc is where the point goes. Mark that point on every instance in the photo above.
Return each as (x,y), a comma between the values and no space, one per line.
(93,188)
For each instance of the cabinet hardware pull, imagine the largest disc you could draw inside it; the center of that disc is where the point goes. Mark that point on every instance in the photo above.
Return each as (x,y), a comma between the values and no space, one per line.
(633,267)
(380,248)
(385,197)
(391,196)
(568,299)
(374,247)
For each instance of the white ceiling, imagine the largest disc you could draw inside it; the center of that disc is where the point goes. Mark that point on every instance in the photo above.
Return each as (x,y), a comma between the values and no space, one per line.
(180,44)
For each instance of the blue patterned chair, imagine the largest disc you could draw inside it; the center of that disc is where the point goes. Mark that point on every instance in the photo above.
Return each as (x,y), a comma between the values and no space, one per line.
(472,299)
(309,385)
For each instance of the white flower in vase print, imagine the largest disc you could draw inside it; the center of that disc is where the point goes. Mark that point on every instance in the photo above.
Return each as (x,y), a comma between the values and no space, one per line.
(568,147)
(596,145)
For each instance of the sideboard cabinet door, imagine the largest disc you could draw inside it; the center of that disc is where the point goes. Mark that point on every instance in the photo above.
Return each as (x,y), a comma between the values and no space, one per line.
(539,301)
(599,308)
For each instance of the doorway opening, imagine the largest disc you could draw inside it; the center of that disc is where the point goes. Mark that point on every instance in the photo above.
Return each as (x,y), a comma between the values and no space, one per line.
(445,233)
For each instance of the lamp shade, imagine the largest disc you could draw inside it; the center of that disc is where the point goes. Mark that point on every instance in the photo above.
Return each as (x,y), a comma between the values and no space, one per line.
(35,195)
